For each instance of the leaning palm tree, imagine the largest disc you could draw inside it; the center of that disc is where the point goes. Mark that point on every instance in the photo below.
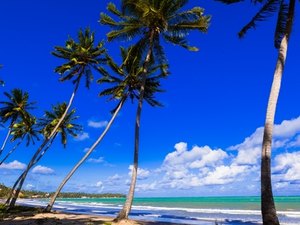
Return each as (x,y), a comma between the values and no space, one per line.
(82,58)
(285,10)
(49,122)
(15,108)
(26,130)
(151,20)
(126,83)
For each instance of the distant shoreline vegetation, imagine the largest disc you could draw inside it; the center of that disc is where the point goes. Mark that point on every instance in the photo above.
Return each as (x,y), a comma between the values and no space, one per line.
(5,191)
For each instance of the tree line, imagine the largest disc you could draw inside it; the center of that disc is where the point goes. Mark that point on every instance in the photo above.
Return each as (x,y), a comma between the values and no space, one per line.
(143,24)
(5,191)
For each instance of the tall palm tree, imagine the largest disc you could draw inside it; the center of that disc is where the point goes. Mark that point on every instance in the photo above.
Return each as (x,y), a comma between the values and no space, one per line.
(151,20)
(15,108)
(82,58)
(27,130)
(126,83)
(49,122)
(285,10)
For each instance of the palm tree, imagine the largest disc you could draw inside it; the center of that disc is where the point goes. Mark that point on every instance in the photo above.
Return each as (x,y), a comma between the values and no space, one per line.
(126,84)
(151,20)
(82,58)
(49,122)
(15,108)
(285,10)
(25,129)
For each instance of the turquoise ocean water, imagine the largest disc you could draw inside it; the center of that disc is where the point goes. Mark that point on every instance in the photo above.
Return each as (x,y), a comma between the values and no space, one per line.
(188,210)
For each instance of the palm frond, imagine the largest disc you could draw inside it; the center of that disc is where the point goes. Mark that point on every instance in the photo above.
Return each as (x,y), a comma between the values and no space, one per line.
(179,41)
(81,57)
(126,33)
(280,30)
(267,10)
(51,118)
(16,107)
(107,20)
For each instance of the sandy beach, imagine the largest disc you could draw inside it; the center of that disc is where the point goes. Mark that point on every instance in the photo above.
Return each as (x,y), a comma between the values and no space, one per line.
(68,219)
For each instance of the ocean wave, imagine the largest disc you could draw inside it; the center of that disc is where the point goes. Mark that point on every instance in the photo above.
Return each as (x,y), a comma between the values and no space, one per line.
(98,211)
(61,204)
(153,215)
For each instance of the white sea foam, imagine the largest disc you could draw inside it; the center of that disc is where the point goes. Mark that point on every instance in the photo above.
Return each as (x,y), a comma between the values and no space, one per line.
(98,211)
(153,215)
(290,214)
(88,204)
(61,204)
(195,210)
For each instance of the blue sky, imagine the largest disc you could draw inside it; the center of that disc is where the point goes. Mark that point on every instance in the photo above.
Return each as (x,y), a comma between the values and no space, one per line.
(207,137)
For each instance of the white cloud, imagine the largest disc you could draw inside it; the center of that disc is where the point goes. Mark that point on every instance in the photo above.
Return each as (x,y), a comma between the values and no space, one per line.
(115,177)
(97,124)
(287,128)
(288,166)
(99,185)
(196,158)
(248,156)
(14,165)
(81,137)
(42,170)
(281,185)
(142,174)
(225,174)
(113,180)
(99,160)
(127,182)
(203,166)
(146,187)
(185,169)
(30,187)
(86,149)
(295,143)
(250,150)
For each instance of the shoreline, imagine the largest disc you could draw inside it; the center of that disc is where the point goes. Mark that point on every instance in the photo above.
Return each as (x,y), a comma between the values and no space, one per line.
(67,213)
(63,218)
(33,215)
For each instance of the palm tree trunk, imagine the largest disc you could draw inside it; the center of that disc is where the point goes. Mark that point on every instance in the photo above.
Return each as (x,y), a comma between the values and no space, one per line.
(5,140)
(13,190)
(10,152)
(51,202)
(67,109)
(268,209)
(16,193)
(20,181)
(123,214)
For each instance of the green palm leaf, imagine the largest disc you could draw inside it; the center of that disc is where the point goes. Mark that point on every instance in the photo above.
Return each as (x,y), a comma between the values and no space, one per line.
(67,127)
(82,56)
(127,79)
(267,10)
(16,107)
